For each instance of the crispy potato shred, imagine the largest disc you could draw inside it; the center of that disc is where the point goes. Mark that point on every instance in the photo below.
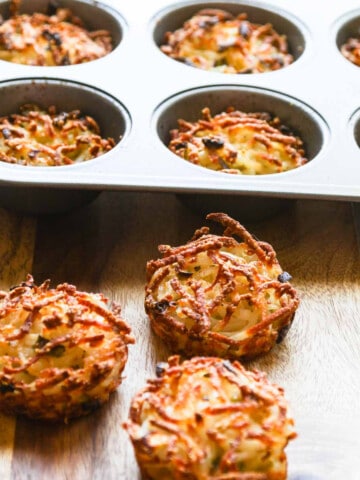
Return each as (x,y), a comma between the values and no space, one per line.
(217,296)
(351,50)
(51,40)
(216,40)
(210,419)
(35,137)
(62,351)
(236,142)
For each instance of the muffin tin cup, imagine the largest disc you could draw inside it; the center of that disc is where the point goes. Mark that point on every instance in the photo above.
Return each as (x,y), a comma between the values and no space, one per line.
(94,15)
(299,117)
(173,17)
(316,95)
(111,116)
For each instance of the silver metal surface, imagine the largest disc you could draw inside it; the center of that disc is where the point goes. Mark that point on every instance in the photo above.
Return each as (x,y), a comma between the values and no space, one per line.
(318,94)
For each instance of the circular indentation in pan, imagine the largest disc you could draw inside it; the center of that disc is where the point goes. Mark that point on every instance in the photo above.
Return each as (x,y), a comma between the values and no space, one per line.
(296,115)
(301,118)
(93,14)
(348,27)
(111,116)
(113,120)
(173,17)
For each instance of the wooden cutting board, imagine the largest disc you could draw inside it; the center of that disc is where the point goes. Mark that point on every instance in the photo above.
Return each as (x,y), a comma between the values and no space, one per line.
(104,247)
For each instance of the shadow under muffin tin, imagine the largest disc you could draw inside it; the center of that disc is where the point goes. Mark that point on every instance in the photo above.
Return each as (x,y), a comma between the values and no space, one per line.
(137,94)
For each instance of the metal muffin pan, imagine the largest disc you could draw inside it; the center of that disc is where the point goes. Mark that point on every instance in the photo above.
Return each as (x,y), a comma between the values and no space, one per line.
(318,96)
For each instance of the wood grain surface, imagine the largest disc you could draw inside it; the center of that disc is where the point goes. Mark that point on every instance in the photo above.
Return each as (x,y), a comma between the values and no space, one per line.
(104,247)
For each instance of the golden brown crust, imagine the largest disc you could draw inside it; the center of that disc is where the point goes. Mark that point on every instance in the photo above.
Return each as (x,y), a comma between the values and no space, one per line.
(43,40)
(238,143)
(46,138)
(210,419)
(214,39)
(351,50)
(62,351)
(217,296)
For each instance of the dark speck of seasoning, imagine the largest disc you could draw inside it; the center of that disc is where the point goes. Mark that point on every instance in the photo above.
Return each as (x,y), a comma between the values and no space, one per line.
(183,274)
(65,60)
(161,368)
(213,143)
(40,342)
(57,39)
(6,388)
(284,277)
(91,405)
(244,30)
(57,351)
(52,37)
(198,417)
(6,133)
(285,130)
(161,306)
(180,145)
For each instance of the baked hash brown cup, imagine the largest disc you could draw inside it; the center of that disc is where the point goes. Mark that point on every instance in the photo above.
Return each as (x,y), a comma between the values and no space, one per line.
(38,137)
(57,39)
(210,419)
(236,142)
(214,39)
(62,351)
(217,296)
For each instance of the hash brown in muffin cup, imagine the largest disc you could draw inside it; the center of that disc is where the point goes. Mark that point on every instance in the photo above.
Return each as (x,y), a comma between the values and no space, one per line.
(62,351)
(240,143)
(39,137)
(216,40)
(210,419)
(219,296)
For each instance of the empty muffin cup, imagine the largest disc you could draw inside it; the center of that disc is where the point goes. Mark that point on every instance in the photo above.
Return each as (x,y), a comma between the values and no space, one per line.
(286,35)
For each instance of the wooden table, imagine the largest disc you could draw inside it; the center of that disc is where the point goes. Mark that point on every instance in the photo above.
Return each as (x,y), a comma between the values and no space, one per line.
(104,247)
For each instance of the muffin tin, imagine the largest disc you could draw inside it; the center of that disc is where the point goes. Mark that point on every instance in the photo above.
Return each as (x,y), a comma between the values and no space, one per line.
(137,94)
